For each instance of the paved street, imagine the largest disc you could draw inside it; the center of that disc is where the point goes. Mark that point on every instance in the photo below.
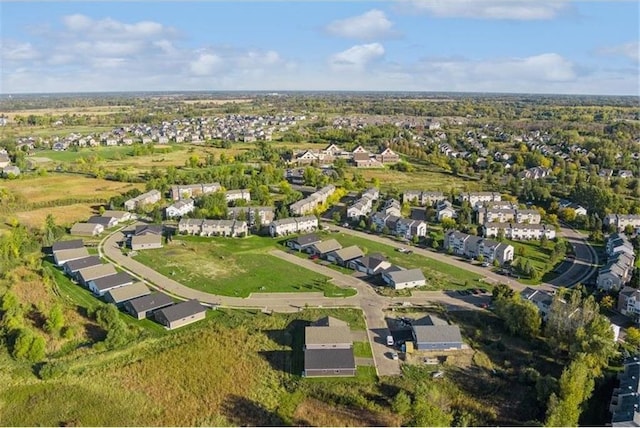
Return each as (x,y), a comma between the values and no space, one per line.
(372,304)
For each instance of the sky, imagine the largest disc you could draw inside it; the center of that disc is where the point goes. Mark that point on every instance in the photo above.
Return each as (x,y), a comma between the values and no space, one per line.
(509,46)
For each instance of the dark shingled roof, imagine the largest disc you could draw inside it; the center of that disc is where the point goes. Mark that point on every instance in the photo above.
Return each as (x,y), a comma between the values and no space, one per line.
(111,281)
(182,310)
(329,359)
(75,265)
(306,239)
(67,245)
(144,229)
(150,302)
(96,219)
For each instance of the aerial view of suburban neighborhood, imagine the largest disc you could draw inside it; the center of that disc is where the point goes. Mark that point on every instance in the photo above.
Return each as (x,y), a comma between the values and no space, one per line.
(320,214)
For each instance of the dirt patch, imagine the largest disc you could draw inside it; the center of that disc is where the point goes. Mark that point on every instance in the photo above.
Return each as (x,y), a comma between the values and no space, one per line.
(312,412)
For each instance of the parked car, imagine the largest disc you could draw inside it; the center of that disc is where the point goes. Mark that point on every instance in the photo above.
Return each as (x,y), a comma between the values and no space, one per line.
(394,356)
(390,340)
(485,264)
(314,256)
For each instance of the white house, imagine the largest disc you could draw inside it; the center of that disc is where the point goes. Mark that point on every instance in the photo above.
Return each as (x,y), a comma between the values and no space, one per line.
(179,208)
(400,278)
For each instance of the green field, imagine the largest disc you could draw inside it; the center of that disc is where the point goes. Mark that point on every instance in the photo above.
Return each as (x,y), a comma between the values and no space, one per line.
(539,259)
(439,275)
(234,267)
(101,152)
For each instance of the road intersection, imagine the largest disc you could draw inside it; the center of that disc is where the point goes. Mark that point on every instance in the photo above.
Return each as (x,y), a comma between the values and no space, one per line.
(367,299)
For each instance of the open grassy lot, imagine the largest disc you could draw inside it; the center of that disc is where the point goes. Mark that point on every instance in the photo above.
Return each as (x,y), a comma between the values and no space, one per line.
(439,275)
(38,189)
(422,179)
(539,257)
(64,215)
(236,368)
(232,267)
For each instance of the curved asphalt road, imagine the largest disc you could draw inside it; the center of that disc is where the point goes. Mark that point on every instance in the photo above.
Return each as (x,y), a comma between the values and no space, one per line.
(585,262)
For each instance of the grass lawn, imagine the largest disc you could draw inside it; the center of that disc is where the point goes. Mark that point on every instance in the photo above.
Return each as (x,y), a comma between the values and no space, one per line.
(422,178)
(539,259)
(232,267)
(439,275)
(362,349)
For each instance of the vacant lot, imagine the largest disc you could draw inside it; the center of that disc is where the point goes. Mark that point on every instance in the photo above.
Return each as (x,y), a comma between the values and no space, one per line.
(422,179)
(233,267)
(37,189)
(64,215)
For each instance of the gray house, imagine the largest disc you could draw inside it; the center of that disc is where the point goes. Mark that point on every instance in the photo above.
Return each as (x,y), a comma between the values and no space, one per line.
(118,296)
(181,314)
(73,266)
(328,349)
(434,334)
(302,242)
(144,306)
(100,286)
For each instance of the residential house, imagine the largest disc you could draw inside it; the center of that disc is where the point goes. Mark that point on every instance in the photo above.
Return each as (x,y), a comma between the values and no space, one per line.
(471,246)
(67,245)
(629,303)
(444,209)
(345,255)
(86,229)
(362,206)
(230,228)
(479,197)
(239,194)
(403,278)
(387,156)
(312,201)
(534,173)
(180,314)
(435,334)
(146,242)
(322,248)
(139,201)
(187,191)
(143,307)
(10,171)
(528,216)
(63,256)
(408,228)
(120,216)
(301,243)
(73,266)
(492,250)
(288,226)
(499,215)
(541,298)
(94,272)
(422,198)
(617,272)
(179,208)
(625,173)
(328,349)
(251,215)
(105,221)
(391,207)
(118,296)
(371,264)
(620,221)
(625,399)
(519,230)
(102,285)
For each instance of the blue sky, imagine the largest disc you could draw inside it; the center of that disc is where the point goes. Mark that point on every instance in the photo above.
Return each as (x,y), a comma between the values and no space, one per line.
(531,46)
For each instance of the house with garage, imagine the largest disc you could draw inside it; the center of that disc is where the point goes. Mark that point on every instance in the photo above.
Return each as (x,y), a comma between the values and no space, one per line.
(120,216)
(321,249)
(106,222)
(231,228)
(444,209)
(344,255)
(371,264)
(180,314)
(63,256)
(139,201)
(67,245)
(143,307)
(328,349)
(94,272)
(301,243)
(146,242)
(118,296)
(434,334)
(179,208)
(100,286)
(541,298)
(86,229)
(73,266)
(492,250)
(400,278)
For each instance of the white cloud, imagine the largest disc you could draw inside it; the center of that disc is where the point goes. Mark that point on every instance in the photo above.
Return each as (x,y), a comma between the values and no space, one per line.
(630,50)
(357,57)
(368,26)
(110,28)
(206,64)
(521,10)
(16,51)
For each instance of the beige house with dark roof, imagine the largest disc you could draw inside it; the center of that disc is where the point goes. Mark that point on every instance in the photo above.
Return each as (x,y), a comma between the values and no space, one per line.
(86,229)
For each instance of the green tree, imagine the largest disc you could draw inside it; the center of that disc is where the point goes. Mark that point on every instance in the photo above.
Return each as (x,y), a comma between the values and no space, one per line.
(55,320)
(633,337)
(574,388)
(401,403)
(29,346)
